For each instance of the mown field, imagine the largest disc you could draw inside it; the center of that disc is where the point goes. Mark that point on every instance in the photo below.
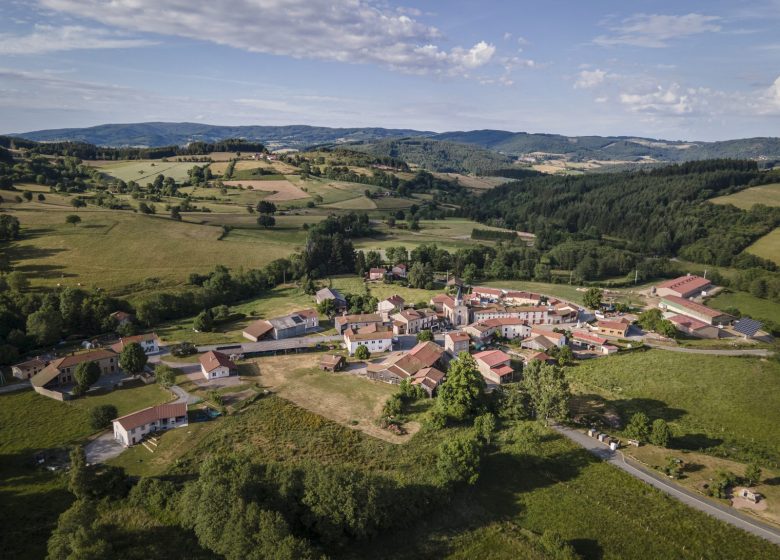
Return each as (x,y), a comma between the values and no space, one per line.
(144,171)
(748,304)
(745,199)
(713,403)
(767,246)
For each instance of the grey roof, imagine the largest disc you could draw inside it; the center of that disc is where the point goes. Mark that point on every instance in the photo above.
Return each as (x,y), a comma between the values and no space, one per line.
(287,322)
(329,293)
(748,326)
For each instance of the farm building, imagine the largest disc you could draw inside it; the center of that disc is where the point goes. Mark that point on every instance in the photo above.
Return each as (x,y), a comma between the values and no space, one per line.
(332,362)
(494,366)
(515,297)
(61,372)
(592,341)
(374,337)
(487,294)
(294,324)
(685,287)
(456,342)
(694,327)
(25,370)
(429,379)
(132,428)
(681,306)
(149,342)
(214,365)
(377,274)
(256,330)
(397,367)
(354,322)
(412,321)
(339,301)
(393,304)
(613,328)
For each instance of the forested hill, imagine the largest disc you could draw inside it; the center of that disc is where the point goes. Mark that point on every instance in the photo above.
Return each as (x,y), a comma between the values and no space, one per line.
(435,155)
(156,134)
(609,148)
(664,211)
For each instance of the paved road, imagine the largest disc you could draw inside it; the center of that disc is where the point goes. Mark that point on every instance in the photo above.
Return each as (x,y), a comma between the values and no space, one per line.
(724,513)
(713,352)
(15,387)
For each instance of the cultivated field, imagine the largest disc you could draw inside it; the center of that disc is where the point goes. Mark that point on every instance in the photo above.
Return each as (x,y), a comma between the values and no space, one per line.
(768,246)
(745,199)
(282,190)
(710,401)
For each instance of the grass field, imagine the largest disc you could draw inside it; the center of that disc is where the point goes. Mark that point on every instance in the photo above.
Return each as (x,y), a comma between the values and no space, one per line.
(747,304)
(450,234)
(282,190)
(710,401)
(357,203)
(144,171)
(112,250)
(471,182)
(767,246)
(745,199)
(32,498)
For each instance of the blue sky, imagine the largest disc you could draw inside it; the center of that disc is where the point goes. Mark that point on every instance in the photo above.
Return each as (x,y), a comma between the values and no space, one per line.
(674,70)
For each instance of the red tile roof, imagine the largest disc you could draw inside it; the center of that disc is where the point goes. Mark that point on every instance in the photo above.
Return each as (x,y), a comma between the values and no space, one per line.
(458,336)
(212,360)
(427,352)
(502,370)
(588,337)
(693,306)
(152,414)
(615,325)
(487,291)
(492,357)
(685,284)
(688,322)
(119,346)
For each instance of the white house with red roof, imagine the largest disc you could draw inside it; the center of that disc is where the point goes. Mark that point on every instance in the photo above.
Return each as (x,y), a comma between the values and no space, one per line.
(375,337)
(150,343)
(399,270)
(214,365)
(494,366)
(132,428)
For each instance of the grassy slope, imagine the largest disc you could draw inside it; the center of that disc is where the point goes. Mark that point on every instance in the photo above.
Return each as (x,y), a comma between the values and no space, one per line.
(711,401)
(144,171)
(32,498)
(748,304)
(767,246)
(745,199)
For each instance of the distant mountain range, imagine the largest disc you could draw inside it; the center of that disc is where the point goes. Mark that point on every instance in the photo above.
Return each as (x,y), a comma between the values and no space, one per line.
(514,144)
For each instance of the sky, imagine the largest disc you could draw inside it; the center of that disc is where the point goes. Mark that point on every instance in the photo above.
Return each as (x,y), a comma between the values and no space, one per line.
(690,70)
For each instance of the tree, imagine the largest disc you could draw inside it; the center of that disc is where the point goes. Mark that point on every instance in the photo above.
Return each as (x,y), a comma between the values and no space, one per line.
(327,307)
(547,389)
(266,221)
(204,322)
(100,416)
(458,460)
(661,433)
(133,358)
(460,395)
(265,207)
(666,328)
(78,203)
(565,356)
(45,325)
(420,275)
(513,402)
(164,375)
(425,335)
(752,474)
(87,373)
(41,197)
(78,475)
(72,219)
(638,427)
(17,281)
(485,425)
(362,352)
(593,298)
(393,406)
(27,195)
(175,214)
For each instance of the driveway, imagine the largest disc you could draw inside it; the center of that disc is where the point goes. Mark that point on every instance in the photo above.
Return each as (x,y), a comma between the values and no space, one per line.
(710,507)
(103,448)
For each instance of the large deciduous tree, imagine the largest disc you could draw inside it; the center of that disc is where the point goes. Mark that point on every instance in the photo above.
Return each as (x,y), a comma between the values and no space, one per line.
(547,389)
(460,396)
(133,358)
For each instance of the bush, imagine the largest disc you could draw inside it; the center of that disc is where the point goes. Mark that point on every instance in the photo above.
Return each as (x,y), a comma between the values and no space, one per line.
(459,460)
(100,417)
(164,375)
(362,352)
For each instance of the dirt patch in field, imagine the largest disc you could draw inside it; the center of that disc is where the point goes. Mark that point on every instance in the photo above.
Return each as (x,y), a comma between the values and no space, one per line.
(282,190)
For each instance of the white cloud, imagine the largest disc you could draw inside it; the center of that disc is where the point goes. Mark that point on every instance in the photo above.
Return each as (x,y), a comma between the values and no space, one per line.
(671,101)
(46,38)
(590,79)
(353,31)
(657,30)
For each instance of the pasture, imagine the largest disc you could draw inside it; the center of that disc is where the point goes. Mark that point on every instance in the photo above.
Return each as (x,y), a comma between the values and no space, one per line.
(747,304)
(768,246)
(282,191)
(710,401)
(144,171)
(745,199)
(473,182)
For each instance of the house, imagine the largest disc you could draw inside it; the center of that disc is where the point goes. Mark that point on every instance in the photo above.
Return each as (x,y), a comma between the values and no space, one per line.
(412,321)
(507,327)
(377,274)
(437,302)
(694,327)
(329,294)
(132,428)
(393,304)
(25,370)
(354,322)
(543,340)
(399,366)
(515,297)
(529,356)
(429,379)
(494,366)
(332,362)
(684,287)
(487,294)
(455,310)
(61,371)
(591,341)
(214,365)
(256,330)
(122,318)
(294,324)
(681,306)
(566,311)
(533,315)
(456,342)
(613,328)
(374,337)
(400,270)
(149,342)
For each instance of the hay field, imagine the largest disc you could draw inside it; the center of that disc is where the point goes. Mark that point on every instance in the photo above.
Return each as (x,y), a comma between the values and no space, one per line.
(764,194)
(768,246)
(357,203)
(282,190)
(219,167)
(472,182)
(144,171)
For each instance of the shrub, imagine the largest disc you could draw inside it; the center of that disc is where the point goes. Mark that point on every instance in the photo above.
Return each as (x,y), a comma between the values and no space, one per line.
(100,417)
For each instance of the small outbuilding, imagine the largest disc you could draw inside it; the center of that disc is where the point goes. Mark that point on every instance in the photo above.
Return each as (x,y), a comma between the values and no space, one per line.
(332,362)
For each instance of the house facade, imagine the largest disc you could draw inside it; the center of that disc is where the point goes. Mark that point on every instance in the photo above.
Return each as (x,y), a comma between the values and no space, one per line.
(214,365)
(494,366)
(149,342)
(412,321)
(132,428)
(27,369)
(377,274)
(393,304)
(400,270)
(456,342)
(354,322)
(62,371)
(375,338)
(613,328)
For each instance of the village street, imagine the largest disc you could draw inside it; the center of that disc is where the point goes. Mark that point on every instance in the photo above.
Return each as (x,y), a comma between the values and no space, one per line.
(710,507)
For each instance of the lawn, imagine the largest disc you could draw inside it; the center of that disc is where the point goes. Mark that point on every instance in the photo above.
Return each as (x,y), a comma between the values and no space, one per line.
(745,199)
(380,290)
(747,304)
(33,498)
(564,291)
(710,401)
(114,249)
(767,246)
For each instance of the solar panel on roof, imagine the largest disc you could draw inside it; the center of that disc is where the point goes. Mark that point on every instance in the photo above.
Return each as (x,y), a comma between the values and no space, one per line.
(748,326)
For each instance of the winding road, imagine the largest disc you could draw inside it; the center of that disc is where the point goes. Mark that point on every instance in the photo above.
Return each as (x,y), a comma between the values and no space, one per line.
(696,501)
